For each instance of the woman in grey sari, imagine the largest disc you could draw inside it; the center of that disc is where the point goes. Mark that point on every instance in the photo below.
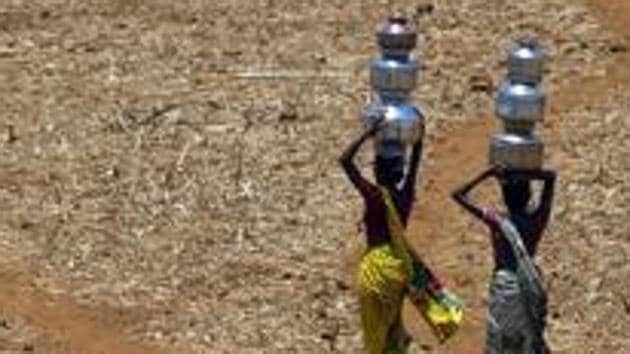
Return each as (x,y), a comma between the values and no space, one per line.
(517,299)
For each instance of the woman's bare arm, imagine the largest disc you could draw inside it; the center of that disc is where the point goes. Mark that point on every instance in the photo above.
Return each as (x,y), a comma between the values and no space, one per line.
(347,160)
(462,198)
(414,164)
(548,177)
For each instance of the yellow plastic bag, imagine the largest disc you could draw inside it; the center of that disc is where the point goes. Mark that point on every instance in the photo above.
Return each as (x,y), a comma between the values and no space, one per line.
(443,312)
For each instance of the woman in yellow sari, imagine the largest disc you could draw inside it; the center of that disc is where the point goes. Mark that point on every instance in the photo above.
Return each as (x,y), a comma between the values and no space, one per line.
(388,269)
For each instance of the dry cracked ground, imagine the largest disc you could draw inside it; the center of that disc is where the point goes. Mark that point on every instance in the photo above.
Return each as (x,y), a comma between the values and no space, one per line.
(158,197)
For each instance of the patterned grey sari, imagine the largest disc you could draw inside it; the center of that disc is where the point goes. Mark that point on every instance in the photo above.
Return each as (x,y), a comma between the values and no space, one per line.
(517,303)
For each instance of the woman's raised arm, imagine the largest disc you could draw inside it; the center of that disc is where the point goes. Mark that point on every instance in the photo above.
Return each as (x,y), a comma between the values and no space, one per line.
(461,194)
(347,159)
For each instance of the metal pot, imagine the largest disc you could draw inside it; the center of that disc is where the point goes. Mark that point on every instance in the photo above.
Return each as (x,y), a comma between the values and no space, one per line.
(395,70)
(396,35)
(526,62)
(393,75)
(520,106)
(404,122)
(517,151)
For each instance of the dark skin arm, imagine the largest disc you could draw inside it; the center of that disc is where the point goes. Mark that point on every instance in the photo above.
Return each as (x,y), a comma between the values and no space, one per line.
(347,158)
(414,164)
(461,194)
(548,177)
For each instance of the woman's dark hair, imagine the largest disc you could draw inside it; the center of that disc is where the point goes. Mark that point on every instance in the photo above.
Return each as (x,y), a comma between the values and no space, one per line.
(516,193)
(389,171)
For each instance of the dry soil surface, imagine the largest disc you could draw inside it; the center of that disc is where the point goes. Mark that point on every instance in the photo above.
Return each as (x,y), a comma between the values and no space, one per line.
(158,195)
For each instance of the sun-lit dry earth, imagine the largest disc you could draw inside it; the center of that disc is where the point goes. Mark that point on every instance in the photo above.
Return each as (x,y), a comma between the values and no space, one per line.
(149,192)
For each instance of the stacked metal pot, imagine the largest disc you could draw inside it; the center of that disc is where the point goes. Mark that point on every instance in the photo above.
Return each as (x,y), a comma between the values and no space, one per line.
(393,76)
(520,105)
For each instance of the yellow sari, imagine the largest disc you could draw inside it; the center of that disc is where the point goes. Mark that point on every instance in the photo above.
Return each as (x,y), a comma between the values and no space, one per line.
(384,277)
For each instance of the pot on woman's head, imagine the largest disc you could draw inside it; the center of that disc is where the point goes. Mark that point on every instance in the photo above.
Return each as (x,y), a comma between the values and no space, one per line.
(523,151)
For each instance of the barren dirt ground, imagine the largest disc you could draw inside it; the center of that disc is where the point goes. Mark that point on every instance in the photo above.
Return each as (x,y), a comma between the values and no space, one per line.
(151,202)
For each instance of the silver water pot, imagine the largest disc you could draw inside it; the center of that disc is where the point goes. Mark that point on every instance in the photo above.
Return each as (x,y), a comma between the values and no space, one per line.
(404,122)
(395,70)
(526,62)
(520,106)
(393,75)
(523,151)
(521,98)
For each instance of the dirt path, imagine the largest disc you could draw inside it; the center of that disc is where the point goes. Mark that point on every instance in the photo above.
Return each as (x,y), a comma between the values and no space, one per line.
(66,328)
(445,233)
